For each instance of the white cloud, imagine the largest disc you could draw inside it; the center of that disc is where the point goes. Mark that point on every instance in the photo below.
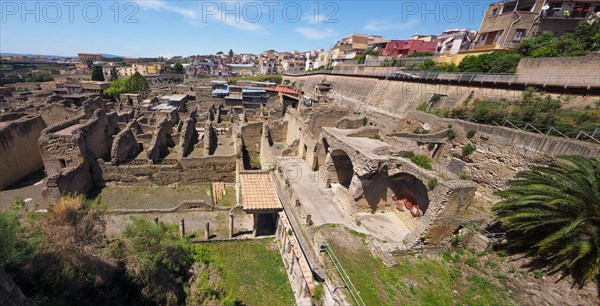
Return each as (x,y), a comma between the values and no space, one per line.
(316,34)
(194,15)
(388,24)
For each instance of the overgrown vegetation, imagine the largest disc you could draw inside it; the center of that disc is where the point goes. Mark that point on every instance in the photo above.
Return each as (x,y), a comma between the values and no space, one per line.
(431,183)
(420,160)
(239,273)
(585,38)
(360,59)
(468,149)
(496,62)
(552,213)
(64,258)
(533,107)
(416,280)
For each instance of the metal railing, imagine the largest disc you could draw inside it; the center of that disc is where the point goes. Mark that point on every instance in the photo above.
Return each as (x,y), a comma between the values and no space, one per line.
(546,130)
(565,81)
(354,293)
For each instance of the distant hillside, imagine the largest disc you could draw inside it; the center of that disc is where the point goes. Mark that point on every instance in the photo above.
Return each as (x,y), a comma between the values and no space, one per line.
(53,56)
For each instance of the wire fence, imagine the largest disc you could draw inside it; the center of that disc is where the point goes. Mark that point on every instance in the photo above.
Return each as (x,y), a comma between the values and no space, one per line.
(565,81)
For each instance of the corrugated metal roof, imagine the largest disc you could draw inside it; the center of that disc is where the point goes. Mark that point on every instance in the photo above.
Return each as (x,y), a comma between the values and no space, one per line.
(252,90)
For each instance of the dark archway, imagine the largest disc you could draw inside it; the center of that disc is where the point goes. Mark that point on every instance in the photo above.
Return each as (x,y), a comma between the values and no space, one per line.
(343,168)
(407,187)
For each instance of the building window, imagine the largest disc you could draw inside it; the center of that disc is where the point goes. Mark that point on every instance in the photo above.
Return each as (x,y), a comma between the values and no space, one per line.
(519,34)
(63,163)
(494,11)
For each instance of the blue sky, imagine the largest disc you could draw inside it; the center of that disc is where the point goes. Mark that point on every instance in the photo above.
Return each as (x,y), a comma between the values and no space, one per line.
(154,27)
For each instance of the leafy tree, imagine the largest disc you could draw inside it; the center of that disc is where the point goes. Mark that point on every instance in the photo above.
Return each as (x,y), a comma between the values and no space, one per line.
(97,74)
(114,74)
(178,67)
(553,213)
(589,34)
(219,53)
(117,87)
(137,84)
(231,53)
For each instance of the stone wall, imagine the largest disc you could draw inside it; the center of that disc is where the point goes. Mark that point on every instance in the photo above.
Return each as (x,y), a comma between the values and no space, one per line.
(125,145)
(158,148)
(188,137)
(251,136)
(395,98)
(186,171)
(580,65)
(10,293)
(20,155)
(56,112)
(552,146)
(98,133)
(211,140)
(71,160)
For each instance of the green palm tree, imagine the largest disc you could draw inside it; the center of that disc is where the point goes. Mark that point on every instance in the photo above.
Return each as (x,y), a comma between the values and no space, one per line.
(555,212)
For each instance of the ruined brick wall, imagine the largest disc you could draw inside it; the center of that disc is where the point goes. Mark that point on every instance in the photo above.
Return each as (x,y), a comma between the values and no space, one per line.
(278,130)
(98,133)
(187,138)
(125,145)
(19,151)
(158,145)
(251,134)
(186,171)
(211,140)
(56,112)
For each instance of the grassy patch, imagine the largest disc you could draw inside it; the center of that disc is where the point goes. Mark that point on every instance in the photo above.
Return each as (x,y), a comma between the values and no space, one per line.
(150,197)
(416,281)
(250,272)
(229,198)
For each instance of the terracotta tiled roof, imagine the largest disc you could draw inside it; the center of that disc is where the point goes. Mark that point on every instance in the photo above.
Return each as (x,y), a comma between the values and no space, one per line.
(257,192)
(282,90)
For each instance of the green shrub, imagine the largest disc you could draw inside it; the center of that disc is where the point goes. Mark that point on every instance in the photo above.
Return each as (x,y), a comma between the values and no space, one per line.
(255,162)
(423,106)
(468,150)
(431,183)
(319,292)
(420,130)
(376,137)
(451,134)
(365,121)
(471,133)
(422,161)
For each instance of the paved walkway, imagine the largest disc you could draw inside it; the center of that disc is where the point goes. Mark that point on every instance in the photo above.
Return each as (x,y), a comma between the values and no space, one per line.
(316,200)
(324,209)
